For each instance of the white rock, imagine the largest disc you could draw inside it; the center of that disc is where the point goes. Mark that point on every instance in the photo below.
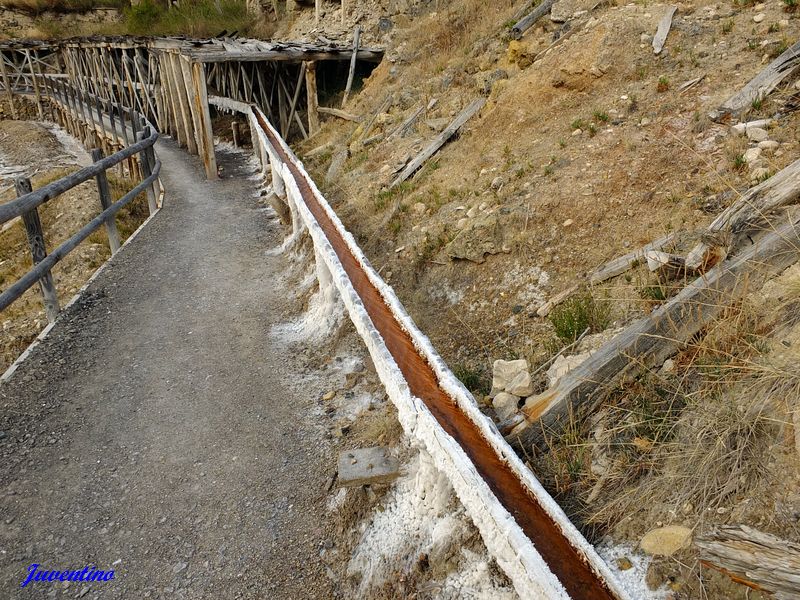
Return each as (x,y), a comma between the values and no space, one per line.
(759,174)
(577,132)
(505,405)
(666,541)
(521,385)
(419,208)
(757,134)
(645,38)
(759,17)
(769,145)
(568,223)
(563,365)
(740,128)
(504,372)
(752,154)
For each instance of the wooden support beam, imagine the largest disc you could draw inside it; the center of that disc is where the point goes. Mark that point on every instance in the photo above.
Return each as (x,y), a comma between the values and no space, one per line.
(185,108)
(439,141)
(312,102)
(529,21)
(353,59)
(35,85)
(201,99)
(7,85)
(33,228)
(650,340)
(172,95)
(194,110)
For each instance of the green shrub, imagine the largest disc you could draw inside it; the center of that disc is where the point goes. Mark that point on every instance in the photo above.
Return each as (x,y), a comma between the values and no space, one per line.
(576,314)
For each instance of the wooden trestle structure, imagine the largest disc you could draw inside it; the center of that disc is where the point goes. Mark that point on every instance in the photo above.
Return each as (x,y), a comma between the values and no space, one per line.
(169,80)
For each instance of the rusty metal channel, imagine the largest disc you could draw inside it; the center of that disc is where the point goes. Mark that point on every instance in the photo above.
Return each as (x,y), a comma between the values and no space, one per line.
(564,560)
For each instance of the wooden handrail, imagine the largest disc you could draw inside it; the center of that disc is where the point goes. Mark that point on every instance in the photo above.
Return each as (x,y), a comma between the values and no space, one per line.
(78,103)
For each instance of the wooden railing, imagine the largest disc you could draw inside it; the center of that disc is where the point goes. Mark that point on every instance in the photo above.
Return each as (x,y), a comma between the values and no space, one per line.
(114,125)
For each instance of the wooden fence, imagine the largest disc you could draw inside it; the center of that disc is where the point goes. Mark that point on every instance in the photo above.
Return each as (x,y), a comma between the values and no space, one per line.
(110,126)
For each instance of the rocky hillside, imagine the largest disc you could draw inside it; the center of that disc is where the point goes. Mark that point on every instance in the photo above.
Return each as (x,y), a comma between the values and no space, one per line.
(590,145)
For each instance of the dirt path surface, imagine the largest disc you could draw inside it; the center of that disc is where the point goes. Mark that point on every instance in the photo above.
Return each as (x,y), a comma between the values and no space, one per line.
(153,432)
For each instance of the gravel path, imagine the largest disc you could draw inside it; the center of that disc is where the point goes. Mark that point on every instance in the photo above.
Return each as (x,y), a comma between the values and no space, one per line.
(153,433)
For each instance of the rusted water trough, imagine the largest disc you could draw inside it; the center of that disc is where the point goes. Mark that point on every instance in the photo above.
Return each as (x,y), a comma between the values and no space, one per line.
(581,573)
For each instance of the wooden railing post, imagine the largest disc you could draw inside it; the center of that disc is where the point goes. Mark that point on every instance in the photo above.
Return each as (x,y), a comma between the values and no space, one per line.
(105,201)
(147,160)
(33,227)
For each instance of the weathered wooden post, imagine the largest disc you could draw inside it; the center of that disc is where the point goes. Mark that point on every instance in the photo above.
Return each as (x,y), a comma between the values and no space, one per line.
(311,97)
(104,192)
(7,85)
(33,227)
(35,85)
(235,132)
(353,58)
(147,170)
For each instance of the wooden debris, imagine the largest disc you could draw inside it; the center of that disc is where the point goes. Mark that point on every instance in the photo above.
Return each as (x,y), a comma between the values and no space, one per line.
(761,85)
(440,140)
(685,87)
(662,32)
(545,308)
(352,72)
(529,21)
(624,263)
(405,125)
(751,211)
(366,466)
(382,108)
(650,340)
(668,266)
(335,112)
(754,558)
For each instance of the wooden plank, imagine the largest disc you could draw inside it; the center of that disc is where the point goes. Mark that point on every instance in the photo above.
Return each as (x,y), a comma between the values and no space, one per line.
(527,22)
(177,126)
(650,340)
(194,108)
(405,125)
(761,85)
(754,558)
(664,25)
(624,263)
(335,112)
(33,229)
(147,171)
(752,210)
(353,59)
(201,100)
(293,100)
(440,140)
(104,192)
(35,85)
(182,97)
(548,306)
(7,85)
(312,101)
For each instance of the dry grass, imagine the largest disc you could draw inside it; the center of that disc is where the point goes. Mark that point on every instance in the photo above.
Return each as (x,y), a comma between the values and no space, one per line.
(697,438)
(36,7)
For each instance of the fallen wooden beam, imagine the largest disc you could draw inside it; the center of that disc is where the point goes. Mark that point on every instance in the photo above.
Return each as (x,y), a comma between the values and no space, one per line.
(403,127)
(529,21)
(761,85)
(662,32)
(440,140)
(650,340)
(335,112)
(548,306)
(624,263)
(749,211)
(754,558)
